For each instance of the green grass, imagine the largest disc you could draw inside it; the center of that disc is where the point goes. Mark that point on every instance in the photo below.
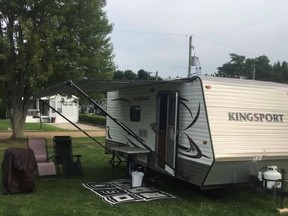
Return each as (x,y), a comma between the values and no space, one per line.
(5,124)
(67,197)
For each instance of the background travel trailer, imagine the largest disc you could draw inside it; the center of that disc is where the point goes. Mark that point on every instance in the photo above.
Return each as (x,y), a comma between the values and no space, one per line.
(207,131)
(68,106)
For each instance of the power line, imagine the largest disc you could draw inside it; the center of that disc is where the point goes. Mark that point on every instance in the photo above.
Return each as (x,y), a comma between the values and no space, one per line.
(155,33)
(186,35)
(151,66)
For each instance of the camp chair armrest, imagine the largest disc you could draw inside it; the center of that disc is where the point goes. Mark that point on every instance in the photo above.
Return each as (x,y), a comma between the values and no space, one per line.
(56,159)
(53,156)
(78,156)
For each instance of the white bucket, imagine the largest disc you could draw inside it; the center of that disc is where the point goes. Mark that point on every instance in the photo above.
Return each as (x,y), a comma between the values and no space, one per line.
(137,178)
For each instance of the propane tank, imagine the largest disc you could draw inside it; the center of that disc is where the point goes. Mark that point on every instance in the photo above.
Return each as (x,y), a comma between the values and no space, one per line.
(271,178)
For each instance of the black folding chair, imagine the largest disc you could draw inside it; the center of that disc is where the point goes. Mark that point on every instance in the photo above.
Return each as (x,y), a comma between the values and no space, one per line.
(71,164)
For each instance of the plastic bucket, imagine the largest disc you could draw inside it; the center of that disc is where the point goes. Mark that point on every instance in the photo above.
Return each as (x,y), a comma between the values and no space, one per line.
(137,178)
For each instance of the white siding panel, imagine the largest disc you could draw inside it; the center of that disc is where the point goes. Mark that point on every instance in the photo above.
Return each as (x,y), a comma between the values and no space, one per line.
(246,138)
(120,110)
(199,132)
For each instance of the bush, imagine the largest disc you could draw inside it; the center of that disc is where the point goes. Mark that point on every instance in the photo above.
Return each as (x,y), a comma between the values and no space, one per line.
(92,119)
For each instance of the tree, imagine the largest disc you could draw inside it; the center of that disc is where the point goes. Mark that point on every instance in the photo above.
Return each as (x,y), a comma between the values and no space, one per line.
(234,68)
(118,75)
(280,71)
(240,66)
(263,68)
(44,42)
(129,75)
(143,75)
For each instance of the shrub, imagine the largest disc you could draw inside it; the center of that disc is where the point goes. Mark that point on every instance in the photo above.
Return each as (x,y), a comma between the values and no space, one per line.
(92,119)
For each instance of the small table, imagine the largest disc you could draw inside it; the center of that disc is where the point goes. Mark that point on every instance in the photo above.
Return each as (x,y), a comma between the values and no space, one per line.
(124,150)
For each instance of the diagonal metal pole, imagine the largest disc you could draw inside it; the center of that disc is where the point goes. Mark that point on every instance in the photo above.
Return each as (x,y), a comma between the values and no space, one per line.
(76,126)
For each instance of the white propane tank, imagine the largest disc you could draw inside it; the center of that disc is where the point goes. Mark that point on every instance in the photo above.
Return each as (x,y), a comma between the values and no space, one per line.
(271,178)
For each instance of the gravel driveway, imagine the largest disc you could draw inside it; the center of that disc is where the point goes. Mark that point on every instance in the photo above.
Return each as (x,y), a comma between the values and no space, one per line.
(71,131)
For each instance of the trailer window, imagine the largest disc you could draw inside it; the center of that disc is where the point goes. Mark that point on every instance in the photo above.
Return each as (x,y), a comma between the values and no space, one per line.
(135,113)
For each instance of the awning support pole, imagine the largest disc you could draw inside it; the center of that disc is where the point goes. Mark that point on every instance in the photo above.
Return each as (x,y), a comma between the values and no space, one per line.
(76,126)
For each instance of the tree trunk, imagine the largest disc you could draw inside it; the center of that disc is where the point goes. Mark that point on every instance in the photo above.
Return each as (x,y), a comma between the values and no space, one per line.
(18,127)
(18,121)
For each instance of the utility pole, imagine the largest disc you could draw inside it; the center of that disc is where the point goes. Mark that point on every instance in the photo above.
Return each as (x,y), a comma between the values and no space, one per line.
(254,73)
(190,52)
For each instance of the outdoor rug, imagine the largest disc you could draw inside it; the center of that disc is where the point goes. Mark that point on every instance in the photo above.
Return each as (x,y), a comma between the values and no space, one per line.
(120,191)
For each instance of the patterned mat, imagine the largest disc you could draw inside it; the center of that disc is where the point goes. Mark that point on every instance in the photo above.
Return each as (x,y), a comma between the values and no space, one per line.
(120,191)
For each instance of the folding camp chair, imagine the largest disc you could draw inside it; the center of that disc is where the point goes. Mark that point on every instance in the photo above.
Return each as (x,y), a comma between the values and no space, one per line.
(64,156)
(39,147)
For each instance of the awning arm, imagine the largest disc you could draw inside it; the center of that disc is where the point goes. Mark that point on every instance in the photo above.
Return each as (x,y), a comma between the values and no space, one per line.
(76,126)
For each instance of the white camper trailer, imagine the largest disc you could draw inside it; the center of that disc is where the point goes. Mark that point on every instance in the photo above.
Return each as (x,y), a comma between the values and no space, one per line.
(207,131)
(204,130)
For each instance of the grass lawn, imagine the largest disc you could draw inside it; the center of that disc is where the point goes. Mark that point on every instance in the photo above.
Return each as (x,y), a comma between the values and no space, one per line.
(67,197)
(5,124)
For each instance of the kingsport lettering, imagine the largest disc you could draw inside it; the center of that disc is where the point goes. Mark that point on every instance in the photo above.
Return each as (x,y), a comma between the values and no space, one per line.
(255,117)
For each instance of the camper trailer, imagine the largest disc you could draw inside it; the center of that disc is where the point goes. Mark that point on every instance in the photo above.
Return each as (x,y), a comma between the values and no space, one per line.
(204,130)
(207,131)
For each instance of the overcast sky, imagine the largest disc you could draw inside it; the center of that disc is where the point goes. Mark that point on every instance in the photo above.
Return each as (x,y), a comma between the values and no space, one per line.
(154,34)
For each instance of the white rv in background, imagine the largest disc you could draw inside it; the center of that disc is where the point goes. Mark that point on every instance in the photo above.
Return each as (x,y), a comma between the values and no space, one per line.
(204,130)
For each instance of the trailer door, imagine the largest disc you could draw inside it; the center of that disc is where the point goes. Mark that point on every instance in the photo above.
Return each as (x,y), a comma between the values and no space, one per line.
(167,117)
